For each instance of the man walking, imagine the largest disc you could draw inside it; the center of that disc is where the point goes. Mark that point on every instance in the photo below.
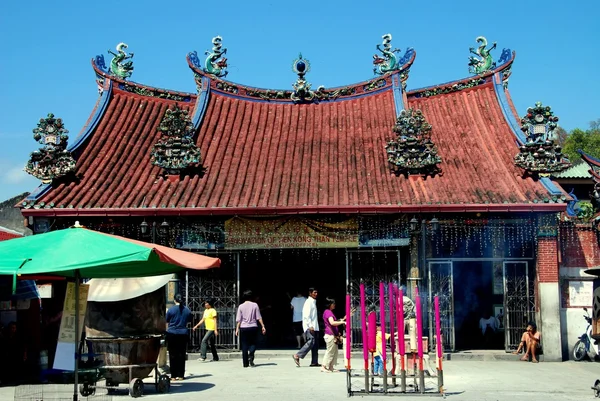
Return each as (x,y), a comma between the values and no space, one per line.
(310,324)
(297,304)
(209,318)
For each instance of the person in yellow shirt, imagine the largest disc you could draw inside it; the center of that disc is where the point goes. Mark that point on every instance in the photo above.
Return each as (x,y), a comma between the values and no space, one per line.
(378,368)
(209,318)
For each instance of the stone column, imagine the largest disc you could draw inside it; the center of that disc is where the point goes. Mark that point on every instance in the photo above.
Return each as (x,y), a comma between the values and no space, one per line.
(548,288)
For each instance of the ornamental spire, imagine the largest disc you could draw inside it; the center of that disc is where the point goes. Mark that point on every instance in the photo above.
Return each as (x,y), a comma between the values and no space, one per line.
(176,150)
(539,154)
(302,91)
(52,160)
(413,152)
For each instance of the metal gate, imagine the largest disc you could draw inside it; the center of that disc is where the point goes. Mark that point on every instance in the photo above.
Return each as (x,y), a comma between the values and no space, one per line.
(441,283)
(369,267)
(221,285)
(519,301)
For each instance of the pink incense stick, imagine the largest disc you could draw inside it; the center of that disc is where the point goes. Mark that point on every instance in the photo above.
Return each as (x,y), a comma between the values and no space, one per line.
(438,328)
(400,314)
(382,320)
(391,299)
(348,329)
(363,317)
(419,324)
(392,303)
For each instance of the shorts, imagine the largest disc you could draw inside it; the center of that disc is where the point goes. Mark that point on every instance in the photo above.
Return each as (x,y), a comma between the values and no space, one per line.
(298,330)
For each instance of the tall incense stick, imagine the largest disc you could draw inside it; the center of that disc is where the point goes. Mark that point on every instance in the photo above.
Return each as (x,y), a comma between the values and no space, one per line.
(363,317)
(382,321)
(348,330)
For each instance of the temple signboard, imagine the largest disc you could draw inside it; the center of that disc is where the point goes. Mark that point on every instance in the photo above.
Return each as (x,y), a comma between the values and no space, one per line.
(290,232)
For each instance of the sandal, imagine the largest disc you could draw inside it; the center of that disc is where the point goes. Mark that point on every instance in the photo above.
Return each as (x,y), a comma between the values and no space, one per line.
(296,360)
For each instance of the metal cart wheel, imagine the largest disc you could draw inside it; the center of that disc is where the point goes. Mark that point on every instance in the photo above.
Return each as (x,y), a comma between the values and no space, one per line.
(136,388)
(163,385)
(86,389)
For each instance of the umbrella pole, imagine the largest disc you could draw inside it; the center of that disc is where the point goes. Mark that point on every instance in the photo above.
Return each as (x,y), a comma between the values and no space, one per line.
(75,385)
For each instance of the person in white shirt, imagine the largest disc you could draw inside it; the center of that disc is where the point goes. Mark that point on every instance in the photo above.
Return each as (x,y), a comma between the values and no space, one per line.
(297,303)
(310,325)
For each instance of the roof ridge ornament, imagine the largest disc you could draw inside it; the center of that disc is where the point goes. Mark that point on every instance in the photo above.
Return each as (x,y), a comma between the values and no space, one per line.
(53,160)
(215,64)
(302,91)
(389,61)
(176,150)
(118,66)
(485,62)
(413,152)
(539,155)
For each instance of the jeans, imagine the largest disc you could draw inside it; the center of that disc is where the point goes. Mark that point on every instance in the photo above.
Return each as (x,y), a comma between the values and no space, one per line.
(378,368)
(209,338)
(248,336)
(176,345)
(312,344)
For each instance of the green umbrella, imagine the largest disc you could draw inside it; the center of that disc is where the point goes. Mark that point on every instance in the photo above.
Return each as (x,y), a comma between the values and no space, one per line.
(94,255)
(78,252)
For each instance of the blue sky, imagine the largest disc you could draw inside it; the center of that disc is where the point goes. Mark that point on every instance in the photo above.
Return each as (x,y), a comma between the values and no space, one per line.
(47,47)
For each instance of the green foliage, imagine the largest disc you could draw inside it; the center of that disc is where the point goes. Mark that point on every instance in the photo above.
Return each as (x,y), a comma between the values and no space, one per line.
(588,141)
(586,211)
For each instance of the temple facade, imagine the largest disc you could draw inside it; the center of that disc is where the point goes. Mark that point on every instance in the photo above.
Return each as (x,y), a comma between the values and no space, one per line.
(444,188)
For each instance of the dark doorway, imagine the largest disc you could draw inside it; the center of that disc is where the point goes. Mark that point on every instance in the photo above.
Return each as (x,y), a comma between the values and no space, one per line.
(274,276)
(474,307)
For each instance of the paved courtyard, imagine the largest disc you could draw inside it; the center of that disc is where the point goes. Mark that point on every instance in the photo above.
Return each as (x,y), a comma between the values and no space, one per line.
(278,379)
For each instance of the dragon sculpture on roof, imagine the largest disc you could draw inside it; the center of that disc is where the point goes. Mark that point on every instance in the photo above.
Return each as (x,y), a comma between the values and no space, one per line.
(389,61)
(215,63)
(118,66)
(485,62)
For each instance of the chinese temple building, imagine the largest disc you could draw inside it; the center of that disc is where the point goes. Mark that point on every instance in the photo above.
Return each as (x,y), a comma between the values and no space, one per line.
(445,188)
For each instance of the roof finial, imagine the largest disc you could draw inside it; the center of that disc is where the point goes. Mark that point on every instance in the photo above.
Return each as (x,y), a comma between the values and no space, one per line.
(118,66)
(302,91)
(215,63)
(52,160)
(485,62)
(539,154)
(389,61)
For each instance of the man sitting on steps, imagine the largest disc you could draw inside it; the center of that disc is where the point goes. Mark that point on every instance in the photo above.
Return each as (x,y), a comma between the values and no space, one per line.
(530,341)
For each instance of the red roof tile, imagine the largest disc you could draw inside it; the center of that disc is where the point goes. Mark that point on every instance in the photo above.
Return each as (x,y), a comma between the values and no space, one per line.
(278,157)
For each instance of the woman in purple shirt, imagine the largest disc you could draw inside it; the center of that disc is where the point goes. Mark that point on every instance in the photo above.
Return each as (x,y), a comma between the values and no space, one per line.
(248,315)
(331,335)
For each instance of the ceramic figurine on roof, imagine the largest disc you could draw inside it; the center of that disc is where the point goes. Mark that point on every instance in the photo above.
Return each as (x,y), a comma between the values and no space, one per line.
(215,63)
(176,151)
(389,61)
(53,160)
(118,66)
(539,154)
(302,91)
(413,152)
(485,62)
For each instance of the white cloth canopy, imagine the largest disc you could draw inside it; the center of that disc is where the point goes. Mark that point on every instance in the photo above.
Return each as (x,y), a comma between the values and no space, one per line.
(120,289)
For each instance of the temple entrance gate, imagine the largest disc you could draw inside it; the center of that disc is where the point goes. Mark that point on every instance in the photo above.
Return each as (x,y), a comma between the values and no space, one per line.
(222,285)
(519,301)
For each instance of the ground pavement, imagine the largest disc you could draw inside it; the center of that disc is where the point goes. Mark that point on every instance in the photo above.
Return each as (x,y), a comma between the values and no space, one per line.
(278,379)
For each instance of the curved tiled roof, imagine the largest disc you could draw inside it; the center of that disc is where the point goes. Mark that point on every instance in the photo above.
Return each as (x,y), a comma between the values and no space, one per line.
(264,156)
(6,234)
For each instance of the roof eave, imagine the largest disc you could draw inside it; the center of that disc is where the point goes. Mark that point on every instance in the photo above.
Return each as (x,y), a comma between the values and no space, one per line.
(360,209)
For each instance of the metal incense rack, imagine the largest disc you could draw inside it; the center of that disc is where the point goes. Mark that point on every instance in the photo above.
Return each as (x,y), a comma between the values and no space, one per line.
(407,373)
